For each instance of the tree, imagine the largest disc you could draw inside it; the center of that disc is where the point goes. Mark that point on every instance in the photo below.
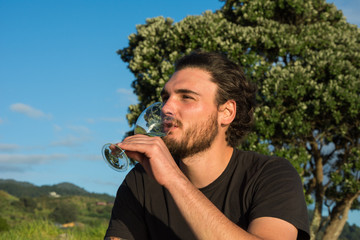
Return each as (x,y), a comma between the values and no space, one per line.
(350,232)
(305,58)
(64,213)
(29,203)
(26,203)
(4,226)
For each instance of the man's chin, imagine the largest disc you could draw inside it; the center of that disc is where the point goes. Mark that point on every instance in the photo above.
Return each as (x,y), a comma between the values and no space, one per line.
(171,142)
(170,139)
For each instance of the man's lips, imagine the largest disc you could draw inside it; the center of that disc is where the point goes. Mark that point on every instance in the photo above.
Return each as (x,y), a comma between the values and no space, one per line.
(171,125)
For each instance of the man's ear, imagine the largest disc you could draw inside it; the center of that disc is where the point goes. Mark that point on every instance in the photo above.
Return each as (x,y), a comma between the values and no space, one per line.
(227,112)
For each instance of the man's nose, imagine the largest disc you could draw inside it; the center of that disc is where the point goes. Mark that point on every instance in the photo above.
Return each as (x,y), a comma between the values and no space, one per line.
(168,108)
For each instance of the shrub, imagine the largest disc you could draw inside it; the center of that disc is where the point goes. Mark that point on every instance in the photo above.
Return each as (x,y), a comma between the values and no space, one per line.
(4,226)
(64,213)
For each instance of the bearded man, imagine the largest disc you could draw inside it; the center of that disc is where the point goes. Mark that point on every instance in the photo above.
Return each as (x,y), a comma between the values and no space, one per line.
(194,183)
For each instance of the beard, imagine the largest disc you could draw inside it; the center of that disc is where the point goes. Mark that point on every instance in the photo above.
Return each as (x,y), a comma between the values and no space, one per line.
(197,138)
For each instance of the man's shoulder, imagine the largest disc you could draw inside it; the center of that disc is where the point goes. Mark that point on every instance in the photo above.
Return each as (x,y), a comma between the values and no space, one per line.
(256,161)
(251,156)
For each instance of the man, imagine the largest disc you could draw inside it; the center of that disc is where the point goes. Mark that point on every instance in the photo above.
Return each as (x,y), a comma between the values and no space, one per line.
(194,183)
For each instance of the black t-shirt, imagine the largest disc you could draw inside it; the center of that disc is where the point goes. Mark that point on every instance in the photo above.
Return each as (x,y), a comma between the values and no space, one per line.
(251,186)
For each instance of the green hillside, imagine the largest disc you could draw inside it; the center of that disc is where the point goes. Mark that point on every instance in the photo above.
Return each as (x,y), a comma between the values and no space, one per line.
(25,189)
(30,212)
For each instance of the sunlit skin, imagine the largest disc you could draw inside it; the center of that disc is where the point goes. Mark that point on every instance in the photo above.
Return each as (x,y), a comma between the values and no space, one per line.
(188,105)
(190,96)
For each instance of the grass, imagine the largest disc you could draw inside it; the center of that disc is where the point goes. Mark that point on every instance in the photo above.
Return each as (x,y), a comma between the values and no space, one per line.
(33,221)
(46,230)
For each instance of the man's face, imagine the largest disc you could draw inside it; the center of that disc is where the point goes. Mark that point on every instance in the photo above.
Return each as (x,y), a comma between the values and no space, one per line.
(190,96)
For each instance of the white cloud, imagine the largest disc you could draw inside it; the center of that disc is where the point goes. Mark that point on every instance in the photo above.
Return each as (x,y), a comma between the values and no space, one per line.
(70,141)
(128,94)
(90,120)
(88,157)
(114,119)
(79,129)
(74,128)
(29,111)
(14,159)
(106,119)
(8,147)
(106,183)
(124,91)
(13,168)
(57,128)
(24,162)
(75,135)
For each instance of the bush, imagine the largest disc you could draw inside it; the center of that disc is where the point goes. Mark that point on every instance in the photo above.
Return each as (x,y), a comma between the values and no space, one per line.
(64,213)
(26,203)
(4,226)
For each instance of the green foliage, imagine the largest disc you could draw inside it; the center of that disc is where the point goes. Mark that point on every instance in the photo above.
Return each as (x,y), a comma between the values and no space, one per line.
(28,203)
(25,189)
(25,203)
(91,218)
(44,229)
(304,57)
(64,213)
(350,232)
(4,226)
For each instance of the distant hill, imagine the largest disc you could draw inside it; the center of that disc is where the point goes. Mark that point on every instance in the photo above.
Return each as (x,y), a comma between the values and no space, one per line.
(25,189)
(6,196)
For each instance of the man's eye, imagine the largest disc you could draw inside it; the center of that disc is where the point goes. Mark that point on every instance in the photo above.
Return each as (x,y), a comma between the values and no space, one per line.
(186,97)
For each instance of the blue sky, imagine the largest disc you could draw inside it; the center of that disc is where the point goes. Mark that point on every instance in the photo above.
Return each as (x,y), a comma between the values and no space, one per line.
(64,91)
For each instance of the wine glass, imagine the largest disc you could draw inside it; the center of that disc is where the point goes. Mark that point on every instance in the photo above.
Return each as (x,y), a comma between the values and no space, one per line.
(151,122)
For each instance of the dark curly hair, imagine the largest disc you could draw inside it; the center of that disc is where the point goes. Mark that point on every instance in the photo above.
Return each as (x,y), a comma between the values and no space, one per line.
(232,84)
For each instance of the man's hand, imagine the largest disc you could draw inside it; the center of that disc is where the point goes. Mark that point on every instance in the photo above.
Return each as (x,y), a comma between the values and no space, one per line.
(153,155)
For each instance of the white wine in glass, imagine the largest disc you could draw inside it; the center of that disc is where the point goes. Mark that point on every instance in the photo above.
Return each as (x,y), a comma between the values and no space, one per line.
(151,122)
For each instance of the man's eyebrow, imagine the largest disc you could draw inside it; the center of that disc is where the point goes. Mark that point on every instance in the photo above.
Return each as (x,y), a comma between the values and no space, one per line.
(188,91)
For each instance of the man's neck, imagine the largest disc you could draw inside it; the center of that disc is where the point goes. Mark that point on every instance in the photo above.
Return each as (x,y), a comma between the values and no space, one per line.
(205,167)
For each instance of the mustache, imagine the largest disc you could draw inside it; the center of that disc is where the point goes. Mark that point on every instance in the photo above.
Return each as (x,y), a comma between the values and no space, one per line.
(177,123)
(170,120)
(172,123)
